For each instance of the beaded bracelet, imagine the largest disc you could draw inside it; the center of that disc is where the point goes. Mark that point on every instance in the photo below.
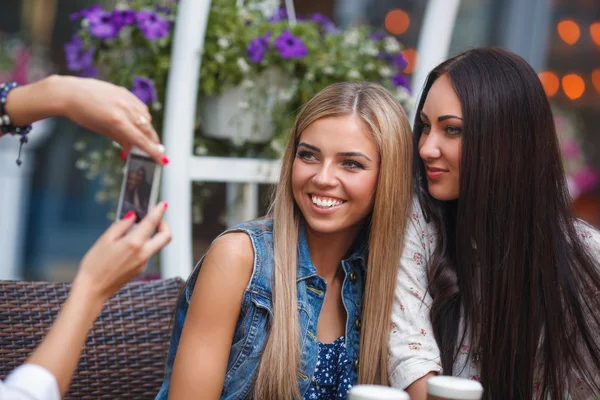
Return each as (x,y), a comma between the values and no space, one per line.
(6,125)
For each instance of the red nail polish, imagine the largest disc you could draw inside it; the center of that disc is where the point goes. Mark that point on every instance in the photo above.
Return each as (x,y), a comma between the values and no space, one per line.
(165,160)
(130,215)
(166,205)
(123,155)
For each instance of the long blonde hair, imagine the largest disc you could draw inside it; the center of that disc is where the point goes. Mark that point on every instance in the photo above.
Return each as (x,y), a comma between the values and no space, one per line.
(383,115)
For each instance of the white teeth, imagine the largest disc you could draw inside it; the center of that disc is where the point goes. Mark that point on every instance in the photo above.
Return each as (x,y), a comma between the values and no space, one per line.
(325,203)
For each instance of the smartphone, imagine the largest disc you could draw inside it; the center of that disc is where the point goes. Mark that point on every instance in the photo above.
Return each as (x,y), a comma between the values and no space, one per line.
(141,181)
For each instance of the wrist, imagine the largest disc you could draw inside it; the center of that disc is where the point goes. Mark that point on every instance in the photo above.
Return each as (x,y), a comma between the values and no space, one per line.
(84,292)
(53,95)
(42,99)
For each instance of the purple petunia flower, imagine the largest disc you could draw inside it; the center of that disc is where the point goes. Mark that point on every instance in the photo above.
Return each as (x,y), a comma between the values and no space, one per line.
(89,72)
(257,47)
(102,26)
(290,46)
(120,18)
(401,80)
(78,58)
(152,25)
(143,89)
(377,35)
(326,24)
(85,12)
(399,61)
(279,15)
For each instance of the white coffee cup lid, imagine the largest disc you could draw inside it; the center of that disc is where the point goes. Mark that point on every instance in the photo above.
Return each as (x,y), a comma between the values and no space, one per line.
(376,392)
(454,388)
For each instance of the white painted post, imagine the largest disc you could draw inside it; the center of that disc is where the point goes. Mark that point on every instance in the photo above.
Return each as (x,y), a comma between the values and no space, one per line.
(242,202)
(178,128)
(14,200)
(434,40)
(291,11)
(251,201)
(15,182)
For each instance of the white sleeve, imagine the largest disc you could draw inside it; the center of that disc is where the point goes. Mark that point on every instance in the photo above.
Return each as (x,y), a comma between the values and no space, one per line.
(413,349)
(590,237)
(29,382)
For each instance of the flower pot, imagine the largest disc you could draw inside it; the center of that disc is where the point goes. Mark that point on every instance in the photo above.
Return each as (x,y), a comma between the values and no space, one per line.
(242,113)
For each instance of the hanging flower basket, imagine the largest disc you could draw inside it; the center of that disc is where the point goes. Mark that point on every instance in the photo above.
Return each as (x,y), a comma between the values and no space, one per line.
(246,109)
(242,113)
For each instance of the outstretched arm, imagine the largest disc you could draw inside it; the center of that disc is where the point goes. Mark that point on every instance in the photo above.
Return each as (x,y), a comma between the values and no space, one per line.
(117,256)
(101,107)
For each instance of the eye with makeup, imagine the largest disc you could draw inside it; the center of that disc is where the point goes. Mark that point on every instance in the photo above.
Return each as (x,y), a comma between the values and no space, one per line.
(425,127)
(453,130)
(352,165)
(306,155)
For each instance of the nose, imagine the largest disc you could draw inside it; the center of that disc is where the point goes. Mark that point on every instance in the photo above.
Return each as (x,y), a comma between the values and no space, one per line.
(325,176)
(429,148)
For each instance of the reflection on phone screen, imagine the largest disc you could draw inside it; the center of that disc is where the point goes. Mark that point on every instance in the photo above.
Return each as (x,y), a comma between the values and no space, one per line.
(136,190)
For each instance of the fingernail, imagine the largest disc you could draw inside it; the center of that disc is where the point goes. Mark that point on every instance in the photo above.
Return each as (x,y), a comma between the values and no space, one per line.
(165,160)
(130,215)
(165,205)
(123,155)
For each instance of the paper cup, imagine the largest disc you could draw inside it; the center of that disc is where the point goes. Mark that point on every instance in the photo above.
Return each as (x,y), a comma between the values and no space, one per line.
(376,392)
(452,388)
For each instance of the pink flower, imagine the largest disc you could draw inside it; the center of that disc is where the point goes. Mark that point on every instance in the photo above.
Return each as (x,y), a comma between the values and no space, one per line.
(571,149)
(416,346)
(586,179)
(20,73)
(418,257)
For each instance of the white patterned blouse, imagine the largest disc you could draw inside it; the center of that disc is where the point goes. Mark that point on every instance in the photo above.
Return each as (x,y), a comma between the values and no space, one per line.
(413,349)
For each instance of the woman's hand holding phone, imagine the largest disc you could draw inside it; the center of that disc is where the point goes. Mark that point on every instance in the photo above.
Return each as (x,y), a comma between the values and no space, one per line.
(116,257)
(121,253)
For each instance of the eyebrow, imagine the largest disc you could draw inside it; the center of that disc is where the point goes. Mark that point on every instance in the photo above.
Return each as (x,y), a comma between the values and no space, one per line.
(442,117)
(343,154)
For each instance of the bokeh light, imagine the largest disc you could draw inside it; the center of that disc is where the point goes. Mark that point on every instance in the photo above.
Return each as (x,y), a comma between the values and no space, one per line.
(596,79)
(410,55)
(397,21)
(569,31)
(550,82)
(573,86)
(595,32)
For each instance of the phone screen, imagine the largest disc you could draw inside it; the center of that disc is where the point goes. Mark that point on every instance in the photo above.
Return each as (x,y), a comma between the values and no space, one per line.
(137,191)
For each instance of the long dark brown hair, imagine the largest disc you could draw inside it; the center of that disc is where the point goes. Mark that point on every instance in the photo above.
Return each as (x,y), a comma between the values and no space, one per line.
(509,256)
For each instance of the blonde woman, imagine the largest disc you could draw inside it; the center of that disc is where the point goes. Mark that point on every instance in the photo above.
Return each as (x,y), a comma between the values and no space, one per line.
(297,305)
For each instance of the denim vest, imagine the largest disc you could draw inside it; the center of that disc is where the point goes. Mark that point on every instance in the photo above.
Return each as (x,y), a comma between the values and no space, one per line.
(252,328)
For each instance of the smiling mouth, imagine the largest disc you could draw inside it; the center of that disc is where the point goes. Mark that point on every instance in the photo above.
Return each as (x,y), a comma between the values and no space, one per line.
(434,173)
(325,202)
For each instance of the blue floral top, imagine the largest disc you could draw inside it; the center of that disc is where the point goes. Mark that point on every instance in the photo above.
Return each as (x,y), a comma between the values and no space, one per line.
(331,380)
